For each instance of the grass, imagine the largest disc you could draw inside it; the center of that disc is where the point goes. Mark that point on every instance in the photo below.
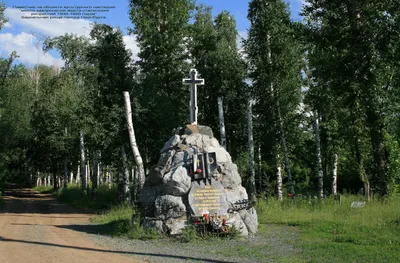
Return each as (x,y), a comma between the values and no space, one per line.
(104,198)
(333,232)
(118,222)
(44,189)
(73,195)
(320,231)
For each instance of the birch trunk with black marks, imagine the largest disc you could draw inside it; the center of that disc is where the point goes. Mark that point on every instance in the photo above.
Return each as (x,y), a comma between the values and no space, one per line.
(132,139)
(279,179)
(95,173)
(78,175)
(252,185)
(259,169)
(100,164)
(65,172)
(83,162)
(71,177)
(285,150)
(123,179)
(319,158)
(221,121)
(281,126)
(334,174)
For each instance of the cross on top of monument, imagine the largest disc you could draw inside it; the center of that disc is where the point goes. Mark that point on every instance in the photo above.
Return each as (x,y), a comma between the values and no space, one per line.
(193,81)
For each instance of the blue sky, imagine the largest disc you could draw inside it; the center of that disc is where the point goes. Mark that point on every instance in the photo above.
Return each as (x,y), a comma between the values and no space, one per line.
(24,35)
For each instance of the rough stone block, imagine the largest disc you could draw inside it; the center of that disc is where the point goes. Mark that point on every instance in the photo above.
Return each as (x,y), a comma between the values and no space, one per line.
(236,194)
(171,143)
(230,176)
(169,206)
(153,224)
(250,219)
(177,182)
(236,220)
(147,199)
(175,227)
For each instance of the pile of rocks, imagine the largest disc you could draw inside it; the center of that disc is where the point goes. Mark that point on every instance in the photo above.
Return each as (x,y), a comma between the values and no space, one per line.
(168,199)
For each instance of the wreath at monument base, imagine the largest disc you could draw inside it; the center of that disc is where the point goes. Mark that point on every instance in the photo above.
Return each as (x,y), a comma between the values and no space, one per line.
(212,225)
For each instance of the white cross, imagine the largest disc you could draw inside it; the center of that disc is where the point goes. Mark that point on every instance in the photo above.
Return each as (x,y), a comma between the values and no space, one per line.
(193,81)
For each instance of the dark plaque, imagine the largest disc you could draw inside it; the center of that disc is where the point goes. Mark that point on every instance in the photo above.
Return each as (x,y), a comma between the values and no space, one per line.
(204,165)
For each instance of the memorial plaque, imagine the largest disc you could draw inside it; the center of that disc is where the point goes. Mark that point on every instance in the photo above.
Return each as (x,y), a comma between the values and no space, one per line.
(208,198)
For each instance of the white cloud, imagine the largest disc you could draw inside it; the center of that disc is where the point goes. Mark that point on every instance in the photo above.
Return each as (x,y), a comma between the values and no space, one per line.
(49,27)
(130,43)
(7,25)
(27,47)
(26,44)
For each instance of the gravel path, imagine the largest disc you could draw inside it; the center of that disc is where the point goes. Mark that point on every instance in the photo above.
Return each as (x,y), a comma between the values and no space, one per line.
(36,228)
(276,244)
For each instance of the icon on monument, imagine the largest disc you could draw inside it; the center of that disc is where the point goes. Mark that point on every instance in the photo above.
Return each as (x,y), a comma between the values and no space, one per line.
(203,165)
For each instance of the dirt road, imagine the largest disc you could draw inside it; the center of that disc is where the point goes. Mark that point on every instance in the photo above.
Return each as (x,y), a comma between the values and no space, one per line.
(36,228)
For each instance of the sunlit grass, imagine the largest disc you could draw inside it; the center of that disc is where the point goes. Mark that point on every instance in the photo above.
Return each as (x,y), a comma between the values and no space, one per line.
(44,189)
(332,231)
(118,222)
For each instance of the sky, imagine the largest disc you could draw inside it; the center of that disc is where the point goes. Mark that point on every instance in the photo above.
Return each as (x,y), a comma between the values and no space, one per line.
(25,35)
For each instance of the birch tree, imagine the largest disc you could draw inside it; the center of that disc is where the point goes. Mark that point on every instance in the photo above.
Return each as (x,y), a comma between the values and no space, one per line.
(363,71)
(216,56)
(274,57)
(161,30)
(319,158)
(133,144)
(252,187)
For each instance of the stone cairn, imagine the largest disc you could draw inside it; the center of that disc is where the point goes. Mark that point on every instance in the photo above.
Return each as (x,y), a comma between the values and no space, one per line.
(175,195)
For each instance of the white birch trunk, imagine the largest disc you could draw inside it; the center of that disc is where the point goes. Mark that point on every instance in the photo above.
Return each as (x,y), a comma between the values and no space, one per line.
(123,179)
(279,179)
(134,180)
(71,177)
(83,162)
(285,150)
(78,175)
(65,172)
(334,174)
(252,193)
(100,169)
(221,121)
(259,169)
(132,139)
(95,172)
(39,180)
(88,169)
(109,181)
(282,130)
(319,158)
(49,180)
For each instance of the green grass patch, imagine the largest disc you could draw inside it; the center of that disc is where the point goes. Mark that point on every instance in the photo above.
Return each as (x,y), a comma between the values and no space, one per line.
(118,222)
(44,189)
(335,232)
(104,198)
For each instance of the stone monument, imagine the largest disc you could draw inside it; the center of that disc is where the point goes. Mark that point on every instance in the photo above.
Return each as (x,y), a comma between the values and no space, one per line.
(195,178)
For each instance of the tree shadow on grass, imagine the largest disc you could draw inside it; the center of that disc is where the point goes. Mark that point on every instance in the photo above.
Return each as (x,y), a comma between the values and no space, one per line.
(2,239)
